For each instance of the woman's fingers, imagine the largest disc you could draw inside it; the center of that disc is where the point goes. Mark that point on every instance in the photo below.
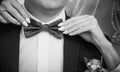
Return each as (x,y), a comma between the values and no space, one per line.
(75,27)
(81,25)
(9,18)
(88,26)
(73,19)
(3,20)
(21,10)
(81,30)
(14,15)
(74,23)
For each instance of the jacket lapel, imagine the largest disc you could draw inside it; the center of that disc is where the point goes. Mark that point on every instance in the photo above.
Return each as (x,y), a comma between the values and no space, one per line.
(10,46)
(71,52)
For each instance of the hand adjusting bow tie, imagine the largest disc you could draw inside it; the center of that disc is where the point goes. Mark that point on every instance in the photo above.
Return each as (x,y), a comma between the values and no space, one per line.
(36,27)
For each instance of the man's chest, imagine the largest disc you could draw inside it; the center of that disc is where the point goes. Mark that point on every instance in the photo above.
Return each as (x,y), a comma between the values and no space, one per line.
(74,50)
(42,52)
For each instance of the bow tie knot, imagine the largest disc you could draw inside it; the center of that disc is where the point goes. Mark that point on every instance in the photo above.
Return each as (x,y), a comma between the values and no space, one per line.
(45,27)
(36,27)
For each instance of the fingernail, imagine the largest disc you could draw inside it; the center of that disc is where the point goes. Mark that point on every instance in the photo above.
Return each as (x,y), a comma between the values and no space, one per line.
(28,20)
(60,24)
(18,23)
(24,23)
(70,34)
(92,16)
(65,32)
(61,28)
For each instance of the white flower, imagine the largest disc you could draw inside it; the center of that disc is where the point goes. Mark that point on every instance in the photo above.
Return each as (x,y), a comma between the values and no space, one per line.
(94,64)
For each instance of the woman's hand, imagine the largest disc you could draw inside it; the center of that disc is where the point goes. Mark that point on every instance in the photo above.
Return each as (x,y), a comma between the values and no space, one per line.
(87,27)
(12,12)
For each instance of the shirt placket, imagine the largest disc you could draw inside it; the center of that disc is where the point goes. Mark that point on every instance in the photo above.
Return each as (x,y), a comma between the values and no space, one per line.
(43,52)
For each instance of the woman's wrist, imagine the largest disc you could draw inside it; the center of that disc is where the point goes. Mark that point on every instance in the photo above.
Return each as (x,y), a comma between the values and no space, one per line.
(117,69)
(111,57)
(103,43)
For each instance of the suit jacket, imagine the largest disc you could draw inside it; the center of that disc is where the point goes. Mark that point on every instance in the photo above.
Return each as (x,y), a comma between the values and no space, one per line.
(75,49)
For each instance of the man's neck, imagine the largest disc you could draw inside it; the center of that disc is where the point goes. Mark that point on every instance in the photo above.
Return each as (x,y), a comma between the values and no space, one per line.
(42,14)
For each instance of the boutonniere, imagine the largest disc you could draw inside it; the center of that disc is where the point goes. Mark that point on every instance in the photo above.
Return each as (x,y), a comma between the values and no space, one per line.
(94,65)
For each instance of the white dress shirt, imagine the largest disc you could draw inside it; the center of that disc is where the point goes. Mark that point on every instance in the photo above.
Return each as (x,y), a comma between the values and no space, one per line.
(42,52)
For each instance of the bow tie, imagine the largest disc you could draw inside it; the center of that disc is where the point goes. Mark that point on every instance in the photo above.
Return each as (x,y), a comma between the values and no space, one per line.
(36,27)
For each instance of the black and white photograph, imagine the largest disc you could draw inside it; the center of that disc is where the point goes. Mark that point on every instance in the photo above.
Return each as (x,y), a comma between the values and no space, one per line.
(59,35)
